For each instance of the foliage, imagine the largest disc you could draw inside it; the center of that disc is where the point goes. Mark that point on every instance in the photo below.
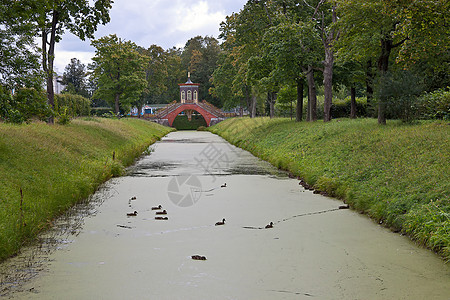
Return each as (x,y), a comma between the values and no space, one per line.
(119,71)
(74,78)
(19,59)
(57,166)
(435,105)
(397,174)
(199,57)
(156,73)
(400,90)
(182,123)
(49,20)
(25,104)
(72,105)
(341,108)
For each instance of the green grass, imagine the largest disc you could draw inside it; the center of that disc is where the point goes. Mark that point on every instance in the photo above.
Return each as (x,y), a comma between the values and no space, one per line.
(397,174)
(57,166)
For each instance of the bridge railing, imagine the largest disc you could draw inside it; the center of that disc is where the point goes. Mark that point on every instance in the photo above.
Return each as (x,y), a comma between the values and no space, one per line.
(166,110)
(211,108)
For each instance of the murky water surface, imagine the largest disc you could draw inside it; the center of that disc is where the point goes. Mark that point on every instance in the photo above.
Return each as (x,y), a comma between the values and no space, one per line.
(314,250)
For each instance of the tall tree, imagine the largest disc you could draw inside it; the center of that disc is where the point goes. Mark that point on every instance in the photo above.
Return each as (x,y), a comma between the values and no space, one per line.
(119,71)
(74,77)
(200,57)
(51,18)
(377,29)
(292,48)
(19,59)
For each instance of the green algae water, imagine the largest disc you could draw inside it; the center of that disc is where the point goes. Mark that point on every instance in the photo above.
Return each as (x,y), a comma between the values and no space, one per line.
(314,250)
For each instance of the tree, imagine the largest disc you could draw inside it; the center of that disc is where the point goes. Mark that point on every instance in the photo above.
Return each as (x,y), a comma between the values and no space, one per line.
(19,59)
(373,30)
(74,78)
(119,71)
(199,57)
(292,48)
(49,19)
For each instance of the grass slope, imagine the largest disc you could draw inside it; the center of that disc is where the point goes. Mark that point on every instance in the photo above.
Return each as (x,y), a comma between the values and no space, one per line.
(397,174)
(56,166)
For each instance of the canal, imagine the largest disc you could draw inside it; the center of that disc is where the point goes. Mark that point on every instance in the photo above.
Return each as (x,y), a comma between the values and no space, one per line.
(314,250)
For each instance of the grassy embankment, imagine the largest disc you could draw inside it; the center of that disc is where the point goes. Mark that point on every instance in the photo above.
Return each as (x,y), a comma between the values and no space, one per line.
(56,166)
(397,174)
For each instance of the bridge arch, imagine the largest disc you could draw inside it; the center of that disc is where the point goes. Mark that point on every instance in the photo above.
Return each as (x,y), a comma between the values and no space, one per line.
(205,114)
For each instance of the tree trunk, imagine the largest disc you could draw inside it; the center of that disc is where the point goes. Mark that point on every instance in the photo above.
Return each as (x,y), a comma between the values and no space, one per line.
(48,60)
(328,83)
(116,104)
(253,106)
(299,109)
(248,99)
(369,85)
(312,95)
(383,65)
(328,69)
(353,102)
(271,96)
(139,110)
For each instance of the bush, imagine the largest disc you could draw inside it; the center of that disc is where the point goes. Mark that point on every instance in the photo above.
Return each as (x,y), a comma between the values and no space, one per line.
(399,91)
(72,105)
(341,108)
(435,105)
(31,103)
(100,111)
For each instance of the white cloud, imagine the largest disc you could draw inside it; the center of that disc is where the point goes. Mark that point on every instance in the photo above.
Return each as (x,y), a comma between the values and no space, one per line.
(147,22)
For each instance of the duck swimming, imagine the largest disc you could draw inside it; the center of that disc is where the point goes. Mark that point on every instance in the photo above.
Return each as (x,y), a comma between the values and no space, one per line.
(161,218)
(164,212)
(269,225)
(221,223)
(157,207)
(198,257)
(132,214)
(224,185)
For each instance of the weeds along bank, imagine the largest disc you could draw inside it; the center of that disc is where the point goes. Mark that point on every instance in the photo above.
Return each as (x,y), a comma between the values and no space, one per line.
(55,166)
(398,174)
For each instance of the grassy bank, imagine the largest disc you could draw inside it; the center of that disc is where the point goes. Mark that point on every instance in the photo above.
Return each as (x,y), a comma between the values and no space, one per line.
(398,174)
(56,166)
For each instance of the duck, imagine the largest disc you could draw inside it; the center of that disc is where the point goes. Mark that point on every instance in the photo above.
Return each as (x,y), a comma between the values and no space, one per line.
(198,257)
(269,225)
(157,207)
(132,214)
(224,185)
(345,206)
(221,223)
(161,218)
(133,198)
(164,212)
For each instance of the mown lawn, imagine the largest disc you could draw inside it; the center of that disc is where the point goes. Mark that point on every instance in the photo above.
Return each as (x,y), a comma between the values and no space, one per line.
(397,174)
(56,166)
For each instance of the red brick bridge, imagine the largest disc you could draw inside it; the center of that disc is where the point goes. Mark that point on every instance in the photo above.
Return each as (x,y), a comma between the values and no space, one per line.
(209,112)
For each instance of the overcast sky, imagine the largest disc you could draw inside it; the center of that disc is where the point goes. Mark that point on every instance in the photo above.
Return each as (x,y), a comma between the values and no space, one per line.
(166,23)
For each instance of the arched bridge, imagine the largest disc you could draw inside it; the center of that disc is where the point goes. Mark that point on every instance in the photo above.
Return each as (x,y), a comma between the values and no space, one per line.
(209,112)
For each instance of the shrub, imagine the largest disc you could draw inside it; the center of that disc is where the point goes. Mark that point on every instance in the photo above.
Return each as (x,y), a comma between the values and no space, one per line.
(399,91)
(28,103)
(72,105)
(435,105)
(341,108)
